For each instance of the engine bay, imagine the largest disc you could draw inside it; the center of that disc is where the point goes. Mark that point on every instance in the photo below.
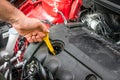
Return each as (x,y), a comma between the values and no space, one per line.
(80,56)
(87,48)
(89,51)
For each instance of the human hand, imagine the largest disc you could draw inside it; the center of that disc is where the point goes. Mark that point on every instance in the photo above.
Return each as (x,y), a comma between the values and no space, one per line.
(32,29)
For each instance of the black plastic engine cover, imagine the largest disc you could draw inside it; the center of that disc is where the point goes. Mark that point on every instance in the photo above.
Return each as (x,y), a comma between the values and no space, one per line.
(112,5)
(82,58)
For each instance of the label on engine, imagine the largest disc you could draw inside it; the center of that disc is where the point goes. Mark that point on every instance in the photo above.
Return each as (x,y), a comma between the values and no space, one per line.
(5,35)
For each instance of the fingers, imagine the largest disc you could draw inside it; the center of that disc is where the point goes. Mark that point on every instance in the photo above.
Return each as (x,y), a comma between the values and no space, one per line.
(35,37)
(34,30)
(29,39)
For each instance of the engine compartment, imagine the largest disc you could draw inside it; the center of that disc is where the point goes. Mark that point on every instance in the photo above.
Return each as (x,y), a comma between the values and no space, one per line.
(88,52)
(83,57)
(86,49)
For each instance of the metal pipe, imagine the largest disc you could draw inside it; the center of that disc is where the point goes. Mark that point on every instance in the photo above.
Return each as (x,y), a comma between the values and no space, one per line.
(13,36)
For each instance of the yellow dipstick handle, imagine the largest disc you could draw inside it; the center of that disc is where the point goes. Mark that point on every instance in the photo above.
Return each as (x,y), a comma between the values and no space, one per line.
(49,45)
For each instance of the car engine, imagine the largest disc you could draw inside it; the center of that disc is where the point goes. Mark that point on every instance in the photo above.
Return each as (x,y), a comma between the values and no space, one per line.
(86,49)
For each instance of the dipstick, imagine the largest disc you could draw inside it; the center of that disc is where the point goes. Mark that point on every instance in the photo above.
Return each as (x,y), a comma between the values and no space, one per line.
(49,45)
